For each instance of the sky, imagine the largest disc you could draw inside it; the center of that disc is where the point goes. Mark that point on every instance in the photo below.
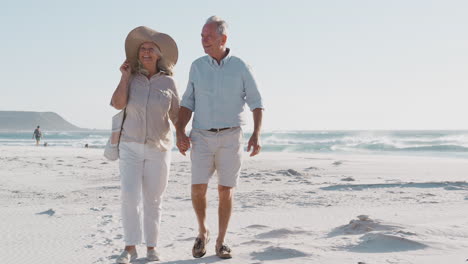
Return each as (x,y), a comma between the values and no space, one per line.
(320,65)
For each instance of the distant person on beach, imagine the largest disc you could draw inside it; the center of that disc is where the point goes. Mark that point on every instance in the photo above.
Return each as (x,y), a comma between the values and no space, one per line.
(148,93)
(219,85)
(37,135)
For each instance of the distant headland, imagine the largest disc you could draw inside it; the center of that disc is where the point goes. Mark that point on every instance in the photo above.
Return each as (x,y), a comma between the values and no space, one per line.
(25,120)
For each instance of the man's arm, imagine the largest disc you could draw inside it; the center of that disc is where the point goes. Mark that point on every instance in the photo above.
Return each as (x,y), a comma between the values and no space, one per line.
(183,142)
(255,103)
(254,141)
(187,106)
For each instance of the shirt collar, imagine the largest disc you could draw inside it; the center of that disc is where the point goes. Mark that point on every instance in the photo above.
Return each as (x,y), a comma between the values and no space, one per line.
(141,76)
(223,61)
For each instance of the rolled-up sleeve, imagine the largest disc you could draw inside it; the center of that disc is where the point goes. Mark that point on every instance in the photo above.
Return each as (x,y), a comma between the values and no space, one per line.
(175,104)
(188,99)
(253,97)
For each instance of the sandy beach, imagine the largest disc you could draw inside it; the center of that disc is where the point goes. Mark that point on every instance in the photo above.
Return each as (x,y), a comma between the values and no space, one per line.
(62,205)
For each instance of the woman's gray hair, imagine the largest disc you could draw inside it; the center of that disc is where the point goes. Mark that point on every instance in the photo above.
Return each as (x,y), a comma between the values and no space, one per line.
(220,24)
(160,66)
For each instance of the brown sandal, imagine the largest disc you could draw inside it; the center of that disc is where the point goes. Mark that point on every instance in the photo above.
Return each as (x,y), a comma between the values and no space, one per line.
(223,252)
(199,248)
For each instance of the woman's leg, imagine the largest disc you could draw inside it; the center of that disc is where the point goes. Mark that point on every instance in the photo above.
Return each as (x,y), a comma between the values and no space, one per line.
(131,175)
(155,177)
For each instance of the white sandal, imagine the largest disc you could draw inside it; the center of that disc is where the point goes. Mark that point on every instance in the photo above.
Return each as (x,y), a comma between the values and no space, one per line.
(152,255)
(126,257)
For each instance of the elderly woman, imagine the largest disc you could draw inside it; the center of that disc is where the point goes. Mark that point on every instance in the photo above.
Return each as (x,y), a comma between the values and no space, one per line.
(149,95)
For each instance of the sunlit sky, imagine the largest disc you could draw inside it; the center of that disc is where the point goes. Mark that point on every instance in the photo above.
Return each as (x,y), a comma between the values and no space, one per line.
(320,64)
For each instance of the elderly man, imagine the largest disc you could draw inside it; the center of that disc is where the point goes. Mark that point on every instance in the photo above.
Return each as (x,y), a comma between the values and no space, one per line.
(219,86)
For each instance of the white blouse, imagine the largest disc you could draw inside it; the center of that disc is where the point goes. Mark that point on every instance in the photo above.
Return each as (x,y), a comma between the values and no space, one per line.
(151,103)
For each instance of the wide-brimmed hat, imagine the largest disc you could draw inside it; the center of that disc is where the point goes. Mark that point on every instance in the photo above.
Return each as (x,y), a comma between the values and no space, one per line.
(143,34)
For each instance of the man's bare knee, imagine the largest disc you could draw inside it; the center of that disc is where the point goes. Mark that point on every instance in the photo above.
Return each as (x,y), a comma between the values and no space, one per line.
(225,191)
(199,190)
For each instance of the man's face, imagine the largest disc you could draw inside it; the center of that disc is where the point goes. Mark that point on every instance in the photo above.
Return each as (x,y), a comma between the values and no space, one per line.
(212,41)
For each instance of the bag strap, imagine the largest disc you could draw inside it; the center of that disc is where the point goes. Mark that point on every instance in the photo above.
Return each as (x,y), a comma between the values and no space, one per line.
(121,126)
(125,109)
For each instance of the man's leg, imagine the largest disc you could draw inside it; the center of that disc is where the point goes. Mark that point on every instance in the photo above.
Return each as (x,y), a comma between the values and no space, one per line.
(202,157)
(228,162)
(224,212)
(199,205)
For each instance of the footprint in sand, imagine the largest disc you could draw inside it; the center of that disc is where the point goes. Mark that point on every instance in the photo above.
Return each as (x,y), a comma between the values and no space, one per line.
(362,225)
(257,226)
(96,209)
(277,253)
(348,179)
(187,239)
(281,233)
(382,243)
(107,241)
(337,163)
(49,212)
(107,219)
(256,242)
(289,172)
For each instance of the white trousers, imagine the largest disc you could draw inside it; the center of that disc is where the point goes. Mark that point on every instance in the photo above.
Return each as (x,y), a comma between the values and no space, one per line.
(143,170)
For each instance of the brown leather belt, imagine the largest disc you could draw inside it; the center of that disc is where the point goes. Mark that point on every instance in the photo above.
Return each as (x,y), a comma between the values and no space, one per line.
(218,129)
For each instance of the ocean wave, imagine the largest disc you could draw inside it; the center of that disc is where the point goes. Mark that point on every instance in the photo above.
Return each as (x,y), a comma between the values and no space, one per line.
(293,141)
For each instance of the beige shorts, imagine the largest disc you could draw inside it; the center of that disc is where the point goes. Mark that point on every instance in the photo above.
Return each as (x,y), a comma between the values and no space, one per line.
(216,151)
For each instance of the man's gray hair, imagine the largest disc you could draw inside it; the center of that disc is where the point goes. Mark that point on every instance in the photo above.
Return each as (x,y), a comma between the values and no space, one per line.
(220,24)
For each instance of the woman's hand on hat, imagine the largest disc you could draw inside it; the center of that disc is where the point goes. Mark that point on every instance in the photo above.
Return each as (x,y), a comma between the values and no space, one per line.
(125,69)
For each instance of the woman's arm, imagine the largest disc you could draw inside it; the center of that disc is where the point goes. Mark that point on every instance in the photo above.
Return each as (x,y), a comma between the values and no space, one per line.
(175,104)
(120,96)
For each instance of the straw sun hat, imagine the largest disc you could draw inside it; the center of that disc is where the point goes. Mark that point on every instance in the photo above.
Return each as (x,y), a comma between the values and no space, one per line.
(142,34)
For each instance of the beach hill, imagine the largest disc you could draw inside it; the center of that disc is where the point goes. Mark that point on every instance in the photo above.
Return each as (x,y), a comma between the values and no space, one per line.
(24,120)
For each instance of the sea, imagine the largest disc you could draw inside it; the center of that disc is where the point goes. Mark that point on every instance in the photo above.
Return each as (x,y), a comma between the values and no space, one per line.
(453,143)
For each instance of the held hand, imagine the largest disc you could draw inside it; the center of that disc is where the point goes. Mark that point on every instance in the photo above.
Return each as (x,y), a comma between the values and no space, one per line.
(183,143)
(125,69)
(254,143)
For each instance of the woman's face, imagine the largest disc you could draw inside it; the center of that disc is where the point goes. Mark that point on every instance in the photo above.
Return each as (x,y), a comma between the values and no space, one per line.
(148,55)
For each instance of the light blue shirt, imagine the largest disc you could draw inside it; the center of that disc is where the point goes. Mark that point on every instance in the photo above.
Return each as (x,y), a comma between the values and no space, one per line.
(217,93)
